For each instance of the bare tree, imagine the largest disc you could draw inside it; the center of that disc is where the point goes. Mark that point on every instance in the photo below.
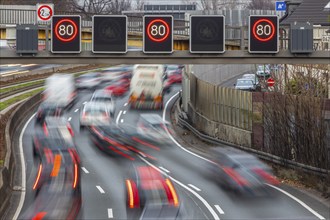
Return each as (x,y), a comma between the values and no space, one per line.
(139,5)
(261,5)
(59,5)
(221,4)
(90,7)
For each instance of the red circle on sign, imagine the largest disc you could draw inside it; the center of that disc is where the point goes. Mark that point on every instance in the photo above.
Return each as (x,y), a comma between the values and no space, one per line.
(167,30)
(50,12)
(73,35)
(263,39)
(270,82)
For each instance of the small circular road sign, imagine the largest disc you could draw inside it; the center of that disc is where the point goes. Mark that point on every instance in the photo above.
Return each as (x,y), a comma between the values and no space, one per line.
(45,12)
(270,82)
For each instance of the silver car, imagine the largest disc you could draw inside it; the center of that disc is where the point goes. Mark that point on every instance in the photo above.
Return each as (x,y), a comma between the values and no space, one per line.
(153,128)
(94,114)
(263,71)
(88,81)
(245,84)
(251,76)
(104,97)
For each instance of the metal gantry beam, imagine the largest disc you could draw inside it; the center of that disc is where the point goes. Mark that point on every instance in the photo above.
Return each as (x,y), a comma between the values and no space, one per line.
(177,57)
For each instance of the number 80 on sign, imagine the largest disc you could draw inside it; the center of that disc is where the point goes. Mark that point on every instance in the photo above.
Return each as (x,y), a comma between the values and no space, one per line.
(66,34)
(263,34)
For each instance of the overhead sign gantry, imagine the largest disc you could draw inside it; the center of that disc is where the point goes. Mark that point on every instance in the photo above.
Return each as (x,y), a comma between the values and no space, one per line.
(206,46)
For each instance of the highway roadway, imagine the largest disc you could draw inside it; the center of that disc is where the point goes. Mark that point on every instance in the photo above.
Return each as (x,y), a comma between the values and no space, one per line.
(103,187)
(14,69)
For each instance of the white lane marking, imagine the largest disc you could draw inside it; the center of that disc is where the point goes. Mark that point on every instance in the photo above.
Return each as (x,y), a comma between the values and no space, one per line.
(207,205)
(126,104)
(69,119)
(162,168)
(299,201)
(110,213)
(194,187)
(219,209)
(118,116)
(84,103)
(100,189)
(76,110)
(124,112)
(21,201)
(84,169)
(172,138)
(286,193)
(121,120)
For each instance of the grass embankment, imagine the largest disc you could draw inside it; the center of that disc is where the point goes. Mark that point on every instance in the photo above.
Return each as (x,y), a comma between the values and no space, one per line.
(12,88)
(18,98)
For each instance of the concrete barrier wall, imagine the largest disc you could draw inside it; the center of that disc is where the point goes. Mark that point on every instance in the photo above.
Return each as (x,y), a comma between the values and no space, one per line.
(199,117)
(223,132)
(216,74)
(10,165)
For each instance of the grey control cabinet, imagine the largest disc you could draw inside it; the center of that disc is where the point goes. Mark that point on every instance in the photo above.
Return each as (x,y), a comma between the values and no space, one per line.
(301,38)
(26,38)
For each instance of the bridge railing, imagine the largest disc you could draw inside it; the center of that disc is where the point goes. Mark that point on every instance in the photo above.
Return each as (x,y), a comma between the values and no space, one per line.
(233,32)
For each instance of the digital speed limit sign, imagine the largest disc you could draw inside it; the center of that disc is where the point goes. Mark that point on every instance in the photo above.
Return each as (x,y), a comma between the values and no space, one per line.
(66,34)
(157,34)
(263,34)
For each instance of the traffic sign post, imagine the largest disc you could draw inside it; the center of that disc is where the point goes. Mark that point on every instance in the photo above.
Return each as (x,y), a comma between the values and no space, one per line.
(45,12)
(109,34)
(66,36)
(207,34)
(263,34)
(157,34)
(270,82)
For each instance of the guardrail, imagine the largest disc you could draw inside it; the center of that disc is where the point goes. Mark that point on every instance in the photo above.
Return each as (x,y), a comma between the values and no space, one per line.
(263,155)
(11,165)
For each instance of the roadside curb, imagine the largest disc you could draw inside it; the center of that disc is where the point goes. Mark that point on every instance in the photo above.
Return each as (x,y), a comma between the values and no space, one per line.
(176,112)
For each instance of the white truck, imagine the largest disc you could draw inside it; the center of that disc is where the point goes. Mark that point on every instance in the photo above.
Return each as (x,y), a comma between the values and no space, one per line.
(60,90)
(146,87)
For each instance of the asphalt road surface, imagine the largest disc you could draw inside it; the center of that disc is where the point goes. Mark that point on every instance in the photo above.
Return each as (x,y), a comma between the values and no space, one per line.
(103,187)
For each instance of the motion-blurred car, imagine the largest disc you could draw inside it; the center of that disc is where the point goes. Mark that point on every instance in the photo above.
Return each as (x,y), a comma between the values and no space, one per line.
(241,172)
(54,131)
(245,84)
(94,114)
(103,97)
(47,109)
(119,87)
(56,187)
(174,70)
(167,86)
(263,71)
(174,78)
(153,128)
(88,81)
(150,194)
(116,72)
(60,90)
